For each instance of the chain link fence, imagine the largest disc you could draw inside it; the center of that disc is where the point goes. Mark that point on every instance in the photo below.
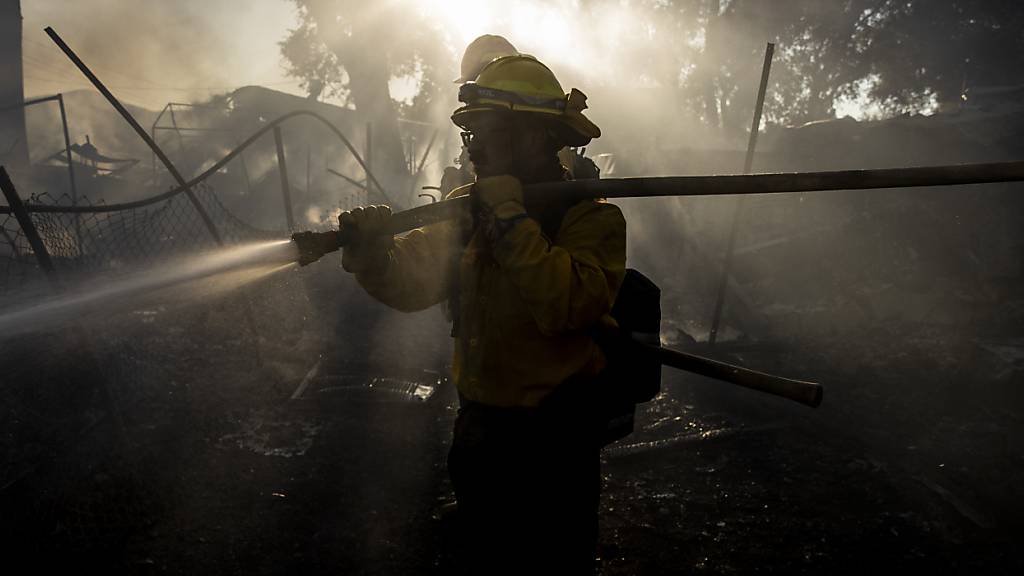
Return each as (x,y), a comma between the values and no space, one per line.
(73,397)
(94,242)
(101,416)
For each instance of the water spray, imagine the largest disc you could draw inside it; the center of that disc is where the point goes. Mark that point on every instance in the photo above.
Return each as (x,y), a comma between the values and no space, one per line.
(240,264)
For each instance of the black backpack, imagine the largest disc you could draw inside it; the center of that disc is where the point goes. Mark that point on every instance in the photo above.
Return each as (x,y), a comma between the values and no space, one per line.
(631,377)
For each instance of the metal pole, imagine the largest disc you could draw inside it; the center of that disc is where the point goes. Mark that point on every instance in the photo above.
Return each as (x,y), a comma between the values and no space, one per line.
(28,103)
(755,126)
(740,202)
(34,240)
(368,156)
(138,130)
(174,126)
(351,181)
(411,155)
(423,160)
(282,168)
(28,228)
(212,169)
(153,130)
(152,134)
(67,150)
(245,172)
(426,153)
(163,158)
(71,170)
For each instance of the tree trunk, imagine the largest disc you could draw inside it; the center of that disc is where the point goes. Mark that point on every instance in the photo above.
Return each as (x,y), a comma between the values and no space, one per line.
(366,63)
(368,82)
(709,65)
(13,135)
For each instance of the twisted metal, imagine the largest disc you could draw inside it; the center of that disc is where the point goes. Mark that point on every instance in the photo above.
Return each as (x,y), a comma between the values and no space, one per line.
(35,207)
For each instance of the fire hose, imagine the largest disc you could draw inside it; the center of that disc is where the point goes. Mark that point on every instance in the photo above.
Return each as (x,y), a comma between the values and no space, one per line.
(314,245)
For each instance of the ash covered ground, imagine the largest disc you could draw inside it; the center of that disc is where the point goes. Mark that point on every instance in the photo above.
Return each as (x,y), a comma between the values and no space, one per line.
(179,440)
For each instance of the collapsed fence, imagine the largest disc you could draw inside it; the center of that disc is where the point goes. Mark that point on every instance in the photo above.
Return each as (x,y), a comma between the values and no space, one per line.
(62,386)
(59,385)
(94,237)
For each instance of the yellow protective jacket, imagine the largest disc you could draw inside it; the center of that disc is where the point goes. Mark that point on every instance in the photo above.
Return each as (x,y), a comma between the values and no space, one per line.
(523,307)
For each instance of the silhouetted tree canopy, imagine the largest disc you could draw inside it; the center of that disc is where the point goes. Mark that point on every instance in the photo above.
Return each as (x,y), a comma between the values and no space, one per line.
(351,50)
(901,56)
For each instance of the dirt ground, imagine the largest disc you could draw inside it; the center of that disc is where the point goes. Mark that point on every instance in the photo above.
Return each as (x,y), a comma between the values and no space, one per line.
(314,442)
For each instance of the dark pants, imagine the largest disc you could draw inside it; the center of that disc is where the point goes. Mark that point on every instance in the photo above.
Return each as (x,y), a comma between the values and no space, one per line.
(527,481)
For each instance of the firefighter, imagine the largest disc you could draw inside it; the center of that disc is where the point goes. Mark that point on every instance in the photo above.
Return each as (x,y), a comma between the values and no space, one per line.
(526,283)
(480,52)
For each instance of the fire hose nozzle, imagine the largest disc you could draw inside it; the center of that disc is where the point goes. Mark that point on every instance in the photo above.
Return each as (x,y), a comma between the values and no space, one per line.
(314,245)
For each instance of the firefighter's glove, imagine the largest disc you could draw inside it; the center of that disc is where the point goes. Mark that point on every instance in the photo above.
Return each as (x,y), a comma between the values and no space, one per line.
(500,203)
(501,196)
(366,250)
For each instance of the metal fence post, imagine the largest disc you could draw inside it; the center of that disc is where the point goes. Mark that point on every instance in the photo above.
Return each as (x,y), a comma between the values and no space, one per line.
(77,332)
(368,158)
(71,171)
(740,202)
(286,189)
(28,228)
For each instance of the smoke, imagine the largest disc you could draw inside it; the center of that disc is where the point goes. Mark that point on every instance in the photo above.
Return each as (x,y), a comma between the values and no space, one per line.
(850,283)
(644,66)
(151,52)
(203,276)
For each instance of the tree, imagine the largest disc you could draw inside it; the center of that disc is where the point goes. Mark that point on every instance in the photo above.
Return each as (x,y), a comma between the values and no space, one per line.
(903,56)
(922,50)
(352,50)
(908,55)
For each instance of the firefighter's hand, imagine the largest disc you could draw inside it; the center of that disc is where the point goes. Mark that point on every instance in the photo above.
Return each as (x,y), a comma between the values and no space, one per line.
(501,196)
(366,250)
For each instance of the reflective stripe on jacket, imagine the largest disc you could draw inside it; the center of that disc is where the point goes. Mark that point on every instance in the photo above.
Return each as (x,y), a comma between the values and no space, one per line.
(523,307)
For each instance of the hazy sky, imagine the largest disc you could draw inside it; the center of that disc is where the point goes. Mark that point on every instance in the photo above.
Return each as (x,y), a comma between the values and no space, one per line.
(150,52)
(153,51)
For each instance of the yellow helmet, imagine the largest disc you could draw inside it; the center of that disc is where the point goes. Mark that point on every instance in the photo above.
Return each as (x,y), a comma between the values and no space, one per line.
(521,83)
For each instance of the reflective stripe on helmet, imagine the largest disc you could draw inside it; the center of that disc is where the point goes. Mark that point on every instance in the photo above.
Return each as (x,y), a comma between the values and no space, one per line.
(472,93)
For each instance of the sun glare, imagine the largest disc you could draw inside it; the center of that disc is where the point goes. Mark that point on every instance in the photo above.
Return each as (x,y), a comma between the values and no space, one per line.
(545,29)
(466,18)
